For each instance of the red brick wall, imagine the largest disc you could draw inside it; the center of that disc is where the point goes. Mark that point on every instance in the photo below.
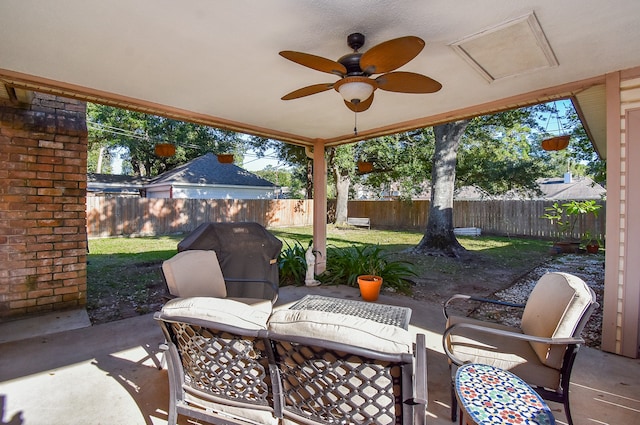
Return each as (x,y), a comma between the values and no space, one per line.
(43,240)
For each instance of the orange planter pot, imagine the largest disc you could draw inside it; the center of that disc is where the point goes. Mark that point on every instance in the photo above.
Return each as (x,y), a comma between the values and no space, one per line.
(592,247)
(556,143)
(369,287)
(225,158)
(365,167)
(165,150)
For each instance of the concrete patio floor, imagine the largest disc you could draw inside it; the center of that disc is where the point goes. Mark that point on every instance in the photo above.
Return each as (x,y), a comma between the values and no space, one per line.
(107,374)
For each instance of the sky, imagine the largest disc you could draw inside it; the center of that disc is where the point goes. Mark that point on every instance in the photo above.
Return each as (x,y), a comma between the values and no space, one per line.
(253,163)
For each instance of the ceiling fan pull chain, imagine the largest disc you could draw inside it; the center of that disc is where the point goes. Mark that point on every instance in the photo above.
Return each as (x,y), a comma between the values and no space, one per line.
(355,123)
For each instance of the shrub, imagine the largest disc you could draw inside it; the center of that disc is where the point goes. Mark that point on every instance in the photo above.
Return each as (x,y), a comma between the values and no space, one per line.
(292,264)
(344,265)
(565,216)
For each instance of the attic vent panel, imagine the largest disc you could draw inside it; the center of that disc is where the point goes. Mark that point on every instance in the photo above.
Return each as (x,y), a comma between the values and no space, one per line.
(513,48)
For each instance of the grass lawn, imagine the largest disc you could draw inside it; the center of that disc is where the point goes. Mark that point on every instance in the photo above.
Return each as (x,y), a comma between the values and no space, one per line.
(124,279)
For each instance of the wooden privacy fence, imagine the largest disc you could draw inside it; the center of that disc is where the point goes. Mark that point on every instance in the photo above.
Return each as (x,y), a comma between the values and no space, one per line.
(144,216)
(149,216)
(506,218)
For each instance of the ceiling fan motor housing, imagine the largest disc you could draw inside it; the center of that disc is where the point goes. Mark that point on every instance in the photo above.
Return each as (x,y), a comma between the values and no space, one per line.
(352,63)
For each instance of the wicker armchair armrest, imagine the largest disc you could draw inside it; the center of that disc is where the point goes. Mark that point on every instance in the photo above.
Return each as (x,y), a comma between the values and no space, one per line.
(503,333)
(478,299)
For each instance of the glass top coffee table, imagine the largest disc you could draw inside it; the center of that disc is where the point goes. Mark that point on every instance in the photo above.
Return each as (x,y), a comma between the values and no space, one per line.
(381,313)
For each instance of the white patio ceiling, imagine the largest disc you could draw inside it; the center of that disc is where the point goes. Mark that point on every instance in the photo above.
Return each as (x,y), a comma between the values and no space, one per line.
(217,62)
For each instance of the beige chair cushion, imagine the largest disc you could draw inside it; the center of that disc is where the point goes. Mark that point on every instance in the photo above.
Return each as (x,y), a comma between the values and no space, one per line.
(194,273)
(341,328)
(553,310)
(257,303)
(505,353)
(220,310)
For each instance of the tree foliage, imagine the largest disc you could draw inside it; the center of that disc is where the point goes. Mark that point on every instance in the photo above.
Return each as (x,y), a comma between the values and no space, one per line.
(497,153)
(580,157)
(283,178)
(403,159)
(134,135)
(293,156)
(501,152)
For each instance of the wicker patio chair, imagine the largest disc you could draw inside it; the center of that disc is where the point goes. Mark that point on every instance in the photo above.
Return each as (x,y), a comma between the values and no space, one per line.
(339,369)
(197,273)
(217,361)
(541,351)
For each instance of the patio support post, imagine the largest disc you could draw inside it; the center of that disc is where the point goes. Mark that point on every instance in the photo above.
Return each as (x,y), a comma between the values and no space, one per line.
(319,206)
(610,320)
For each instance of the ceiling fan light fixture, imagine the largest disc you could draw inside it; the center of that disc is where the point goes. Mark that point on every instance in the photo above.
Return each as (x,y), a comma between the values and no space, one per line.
(355,89)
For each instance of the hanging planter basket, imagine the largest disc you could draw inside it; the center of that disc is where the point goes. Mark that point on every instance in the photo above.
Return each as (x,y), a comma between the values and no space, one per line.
(365,167)
(225,158)
(165,150)
(556,143)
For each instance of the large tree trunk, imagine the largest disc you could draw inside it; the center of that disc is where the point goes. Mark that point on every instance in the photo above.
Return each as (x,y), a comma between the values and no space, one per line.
(439,238)
(343,181)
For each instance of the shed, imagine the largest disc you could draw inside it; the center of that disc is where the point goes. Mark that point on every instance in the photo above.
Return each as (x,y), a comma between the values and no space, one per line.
(207,178)
(114,185)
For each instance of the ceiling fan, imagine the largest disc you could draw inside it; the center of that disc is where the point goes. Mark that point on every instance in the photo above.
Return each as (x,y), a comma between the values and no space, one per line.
(355,69)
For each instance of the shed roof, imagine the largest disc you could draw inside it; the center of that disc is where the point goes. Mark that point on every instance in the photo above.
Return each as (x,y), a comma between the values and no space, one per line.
(207,170)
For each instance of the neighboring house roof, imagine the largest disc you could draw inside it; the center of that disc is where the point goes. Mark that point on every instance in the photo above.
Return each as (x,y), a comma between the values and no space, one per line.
(470,193)
(571,188)
(560,188)
(111,184)
(566,187)
(202,171)
(207,170)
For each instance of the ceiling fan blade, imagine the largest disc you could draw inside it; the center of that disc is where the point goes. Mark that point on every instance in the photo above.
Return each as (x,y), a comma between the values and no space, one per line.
(315,62)
(407,82)
(390,55)
(307,91)
(360,107)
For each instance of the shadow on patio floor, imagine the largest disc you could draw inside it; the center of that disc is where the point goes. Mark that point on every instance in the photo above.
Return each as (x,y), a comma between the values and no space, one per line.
(107,374)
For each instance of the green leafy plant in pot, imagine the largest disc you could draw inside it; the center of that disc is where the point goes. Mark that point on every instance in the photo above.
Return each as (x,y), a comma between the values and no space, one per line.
(369,265)
(292,264)
(591,243)
(565,217)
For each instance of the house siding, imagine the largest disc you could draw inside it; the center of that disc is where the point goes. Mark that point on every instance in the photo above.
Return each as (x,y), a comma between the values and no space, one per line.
(208,192)
(621,329)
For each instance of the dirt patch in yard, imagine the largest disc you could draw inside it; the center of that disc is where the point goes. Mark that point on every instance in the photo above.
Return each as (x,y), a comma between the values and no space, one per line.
(137,289)
(484,277)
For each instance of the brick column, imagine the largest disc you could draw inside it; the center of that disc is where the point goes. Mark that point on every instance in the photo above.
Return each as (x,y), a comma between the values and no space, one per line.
(43,239)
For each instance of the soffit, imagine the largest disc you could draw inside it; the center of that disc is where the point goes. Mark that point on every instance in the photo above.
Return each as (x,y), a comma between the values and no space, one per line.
(217,62)
(591,107)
